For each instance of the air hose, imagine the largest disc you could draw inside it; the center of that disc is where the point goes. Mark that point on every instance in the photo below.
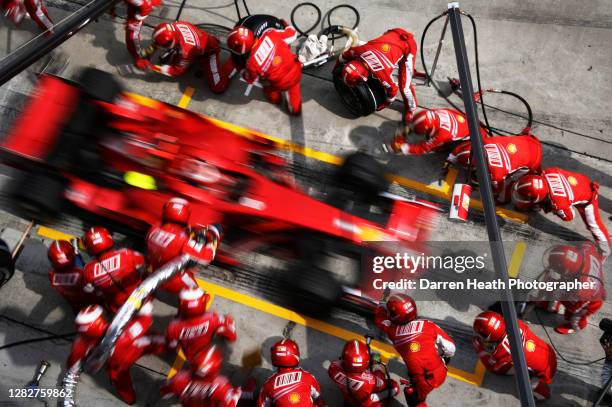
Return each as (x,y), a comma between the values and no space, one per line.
(490,129)
(335,34)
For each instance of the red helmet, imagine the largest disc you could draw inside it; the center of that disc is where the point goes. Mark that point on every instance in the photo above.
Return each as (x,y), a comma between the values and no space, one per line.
(208,362)
(177,210)
(355,72)
(401,308)
(61,254)
(489,326)
(529,190)
(192,302)
(240,40)
(565,259)
(98,240)
(164,35)
(425,122)
(285,353)
(355,356)
(90,321)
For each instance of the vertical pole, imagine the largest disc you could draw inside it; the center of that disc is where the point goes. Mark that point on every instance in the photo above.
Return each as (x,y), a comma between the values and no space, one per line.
(484,182)
(435,61)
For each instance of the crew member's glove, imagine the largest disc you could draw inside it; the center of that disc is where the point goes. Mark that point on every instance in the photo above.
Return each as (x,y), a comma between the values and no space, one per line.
(143,64)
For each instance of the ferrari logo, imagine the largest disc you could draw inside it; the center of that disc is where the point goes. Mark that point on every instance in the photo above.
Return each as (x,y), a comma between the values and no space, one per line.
(573,181)
(276,61)
(530,346)
(460,119)
(385,48)
(512,148)
(294,398)
(415,346)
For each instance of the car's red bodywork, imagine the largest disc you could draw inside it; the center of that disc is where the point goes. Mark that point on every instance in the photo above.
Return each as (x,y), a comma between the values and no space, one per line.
(191,156)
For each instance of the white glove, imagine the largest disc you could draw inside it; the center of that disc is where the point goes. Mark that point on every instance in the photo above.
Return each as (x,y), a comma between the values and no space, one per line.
(312,48)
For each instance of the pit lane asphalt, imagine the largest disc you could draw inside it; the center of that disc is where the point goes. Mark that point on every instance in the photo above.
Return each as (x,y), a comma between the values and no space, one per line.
(562,79)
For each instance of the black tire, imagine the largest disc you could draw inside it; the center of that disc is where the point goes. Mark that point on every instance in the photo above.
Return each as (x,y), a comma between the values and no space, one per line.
(362,174)
(361,100)
(41,194)
(312,291)
(7,266)
(99,85)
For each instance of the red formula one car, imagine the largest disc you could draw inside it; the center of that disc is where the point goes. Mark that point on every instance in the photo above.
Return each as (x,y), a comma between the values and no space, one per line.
(122,156)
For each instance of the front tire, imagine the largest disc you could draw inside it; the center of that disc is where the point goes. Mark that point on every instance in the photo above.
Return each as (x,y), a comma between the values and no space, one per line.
(41,194)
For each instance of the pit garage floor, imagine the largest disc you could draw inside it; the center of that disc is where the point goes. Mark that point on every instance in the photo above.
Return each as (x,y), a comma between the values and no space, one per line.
(553,54)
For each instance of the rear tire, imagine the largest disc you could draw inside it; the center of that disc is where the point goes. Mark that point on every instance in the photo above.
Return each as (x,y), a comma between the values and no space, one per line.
(99,85)
(362,174)
(313,291)
(41,194)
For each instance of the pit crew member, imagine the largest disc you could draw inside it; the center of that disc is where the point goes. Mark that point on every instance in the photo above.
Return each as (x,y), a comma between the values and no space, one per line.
(289,385)
(278,69)
(585,264)
(16,10)
(183,44)
(112,273)
(560,191)
(440,127)
(509,158)
(194,328)
(131,345)
(66,276)
(378,58)
(362,383)
(246,31)
(202,384)
(493,348)
(425,347)
(137,12)
(173,238)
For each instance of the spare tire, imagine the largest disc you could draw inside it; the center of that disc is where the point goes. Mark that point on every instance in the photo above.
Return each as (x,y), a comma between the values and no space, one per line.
(99,85)
(363,174)
(361,100)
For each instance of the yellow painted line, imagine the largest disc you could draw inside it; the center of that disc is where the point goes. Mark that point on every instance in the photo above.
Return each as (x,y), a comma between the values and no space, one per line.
(503,212)
(443,191)
(386,351)
(180,356)
(517,259)
(53,234)
(186,98)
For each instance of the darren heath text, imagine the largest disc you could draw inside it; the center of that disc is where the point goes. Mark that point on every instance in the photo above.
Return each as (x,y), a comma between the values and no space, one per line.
(474,284)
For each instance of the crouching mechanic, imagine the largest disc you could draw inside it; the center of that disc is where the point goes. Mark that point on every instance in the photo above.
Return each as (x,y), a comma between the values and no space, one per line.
(66,276)
(439,127)
(377,59)
(271,60)
(113,273)
(289,385)
(583,263)
(137,12)
(560,191)
(175,237)
(493,348)
(425,347)
(194,328)
(130,346)
(362,383)
(508,157)
(183,44)
(246,31)
(202,384)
